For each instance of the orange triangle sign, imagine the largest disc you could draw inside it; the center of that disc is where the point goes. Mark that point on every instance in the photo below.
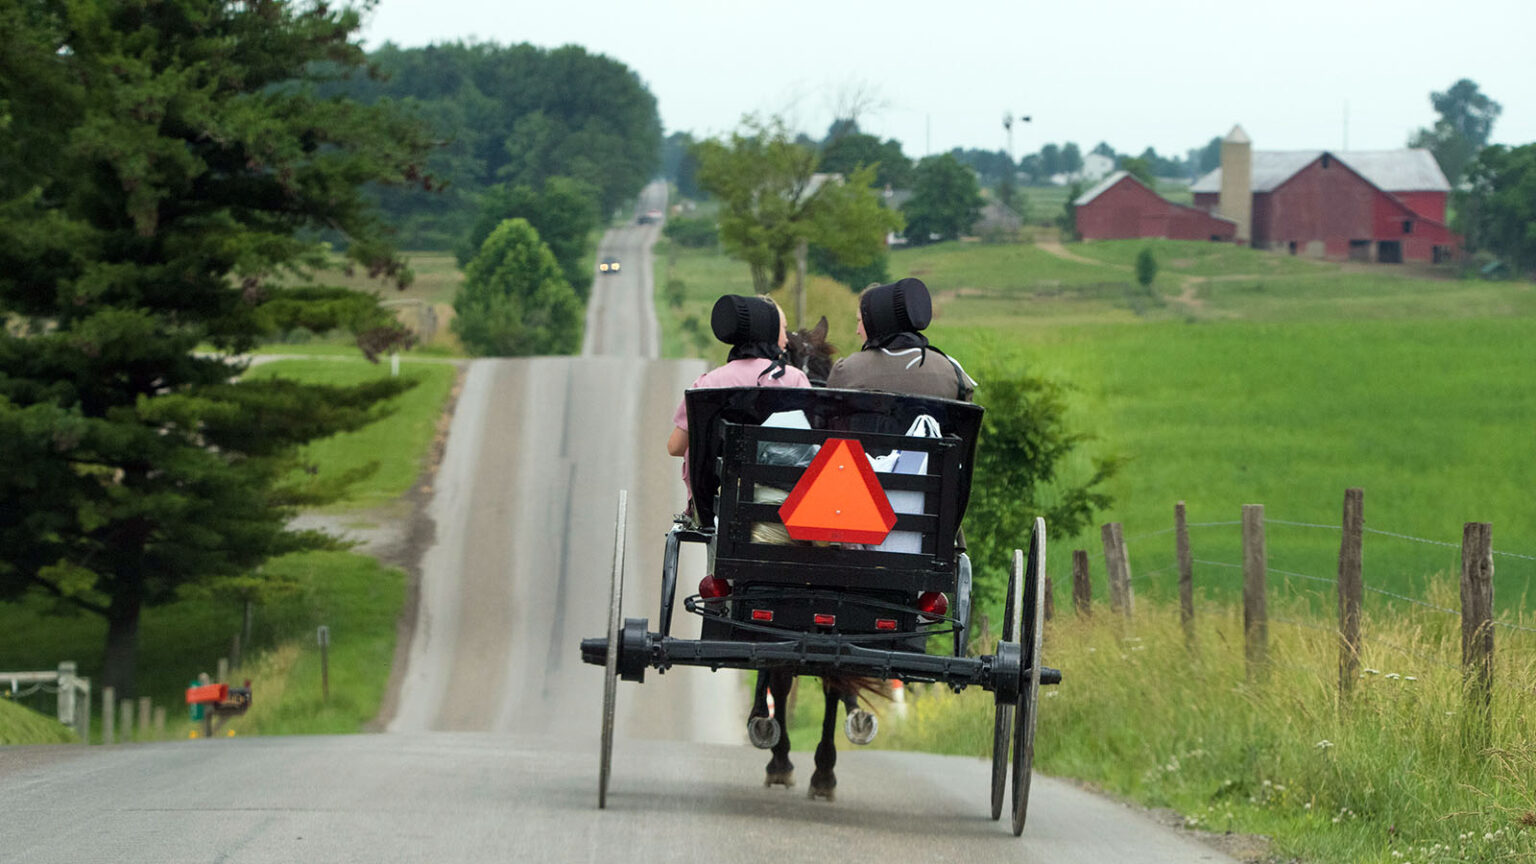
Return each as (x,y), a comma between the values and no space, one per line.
(838,498)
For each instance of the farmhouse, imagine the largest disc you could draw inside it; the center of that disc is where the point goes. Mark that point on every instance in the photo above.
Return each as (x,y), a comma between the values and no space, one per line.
(1382,205)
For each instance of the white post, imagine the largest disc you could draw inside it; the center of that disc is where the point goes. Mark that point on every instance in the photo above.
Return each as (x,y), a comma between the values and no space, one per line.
(394,364)
(67,695)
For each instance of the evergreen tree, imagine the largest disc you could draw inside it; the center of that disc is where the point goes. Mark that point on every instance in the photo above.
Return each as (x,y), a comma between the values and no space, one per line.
(564,212)
(164,170)
(514,301)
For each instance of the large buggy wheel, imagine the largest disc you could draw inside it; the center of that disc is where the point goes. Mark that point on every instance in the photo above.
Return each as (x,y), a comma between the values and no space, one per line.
(611,678)
(1003,718)
(1029,691)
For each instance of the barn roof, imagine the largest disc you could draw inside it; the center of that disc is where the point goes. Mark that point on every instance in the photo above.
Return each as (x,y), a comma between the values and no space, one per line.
(1101,187)
(1412,170)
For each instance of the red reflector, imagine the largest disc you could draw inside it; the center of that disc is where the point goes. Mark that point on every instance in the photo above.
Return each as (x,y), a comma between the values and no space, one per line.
(885,623)
(762,614)
(823,620)
(713,588)
(933,603)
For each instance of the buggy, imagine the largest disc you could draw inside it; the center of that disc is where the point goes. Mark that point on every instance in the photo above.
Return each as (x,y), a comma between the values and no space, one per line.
(843,593)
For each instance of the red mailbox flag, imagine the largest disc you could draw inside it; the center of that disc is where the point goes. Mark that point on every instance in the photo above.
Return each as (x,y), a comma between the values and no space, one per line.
(838,498)
(207,693)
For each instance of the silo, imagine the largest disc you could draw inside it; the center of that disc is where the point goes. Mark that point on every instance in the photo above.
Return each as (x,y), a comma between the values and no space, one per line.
(1236,202)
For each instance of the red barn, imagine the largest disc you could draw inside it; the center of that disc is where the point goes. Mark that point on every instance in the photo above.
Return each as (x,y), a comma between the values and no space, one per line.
(1121,207)
(1385,205)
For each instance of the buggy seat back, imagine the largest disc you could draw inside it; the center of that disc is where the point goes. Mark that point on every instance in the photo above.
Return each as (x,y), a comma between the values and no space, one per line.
(734,478)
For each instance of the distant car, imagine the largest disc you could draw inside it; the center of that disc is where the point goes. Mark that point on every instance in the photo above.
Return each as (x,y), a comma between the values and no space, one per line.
(608,265)
(648,217)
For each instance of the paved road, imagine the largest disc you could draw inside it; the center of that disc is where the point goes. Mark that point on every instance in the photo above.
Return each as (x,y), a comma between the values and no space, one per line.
(491,753)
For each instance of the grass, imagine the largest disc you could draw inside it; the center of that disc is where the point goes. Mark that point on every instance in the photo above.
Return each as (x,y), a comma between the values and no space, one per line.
(21,725)
(398,446)
(1393,776)
(356,596)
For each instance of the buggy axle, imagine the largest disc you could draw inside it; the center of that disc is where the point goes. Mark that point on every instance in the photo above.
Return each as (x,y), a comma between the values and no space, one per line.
(813,654)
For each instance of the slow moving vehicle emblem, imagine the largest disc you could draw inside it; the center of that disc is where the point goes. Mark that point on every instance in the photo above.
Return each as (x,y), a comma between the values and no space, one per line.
(838,498)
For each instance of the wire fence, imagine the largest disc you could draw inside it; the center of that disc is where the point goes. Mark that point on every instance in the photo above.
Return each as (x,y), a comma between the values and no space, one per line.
(1391,595)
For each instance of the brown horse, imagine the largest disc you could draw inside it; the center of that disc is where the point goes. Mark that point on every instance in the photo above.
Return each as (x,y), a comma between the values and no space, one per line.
(768,727)
(811,353)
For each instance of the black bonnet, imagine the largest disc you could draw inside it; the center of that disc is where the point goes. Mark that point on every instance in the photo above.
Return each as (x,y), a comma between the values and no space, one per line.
(740,320)
(899,307)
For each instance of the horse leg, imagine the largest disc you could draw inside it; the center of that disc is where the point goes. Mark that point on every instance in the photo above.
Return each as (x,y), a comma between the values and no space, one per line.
(762,730)
(824,781)
(781,772)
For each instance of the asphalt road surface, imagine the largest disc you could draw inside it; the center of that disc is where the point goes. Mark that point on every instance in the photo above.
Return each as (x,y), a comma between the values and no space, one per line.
(491,753)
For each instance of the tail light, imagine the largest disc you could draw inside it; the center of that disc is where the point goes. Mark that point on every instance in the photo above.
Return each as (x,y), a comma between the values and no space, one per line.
(933,605)
(824,620)
(885,623)
(713,588)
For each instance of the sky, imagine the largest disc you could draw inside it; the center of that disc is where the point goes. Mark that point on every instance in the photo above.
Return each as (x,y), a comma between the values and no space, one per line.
(1171,74)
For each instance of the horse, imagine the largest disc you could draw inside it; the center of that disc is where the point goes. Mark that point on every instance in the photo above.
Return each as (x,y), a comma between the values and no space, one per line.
(811,353)
(768,727)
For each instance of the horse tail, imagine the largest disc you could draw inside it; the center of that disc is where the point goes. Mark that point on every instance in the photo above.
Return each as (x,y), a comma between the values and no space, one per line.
(866,690)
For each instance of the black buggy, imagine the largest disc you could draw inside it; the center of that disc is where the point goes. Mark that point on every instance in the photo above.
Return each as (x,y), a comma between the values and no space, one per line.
(835,608)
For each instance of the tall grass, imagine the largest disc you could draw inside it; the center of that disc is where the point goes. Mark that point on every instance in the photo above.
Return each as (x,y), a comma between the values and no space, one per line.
(1396,773)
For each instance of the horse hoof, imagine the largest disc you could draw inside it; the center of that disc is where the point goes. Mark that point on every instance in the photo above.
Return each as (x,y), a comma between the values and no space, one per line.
(779,778)
(826,793)
(861,726)
(763,732)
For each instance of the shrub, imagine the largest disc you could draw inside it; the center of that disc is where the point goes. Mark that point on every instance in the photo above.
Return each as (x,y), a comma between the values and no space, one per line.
(692,233)
(514,300)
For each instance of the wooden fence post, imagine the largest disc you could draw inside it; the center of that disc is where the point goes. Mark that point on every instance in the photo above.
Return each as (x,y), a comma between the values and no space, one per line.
(1477,625)
(1082,589)
(1186,574)
(1351,589)
(221,673)
(145,712)
(1255,616)
(108,714)
(1050,599)
(1121,598)
(159,721)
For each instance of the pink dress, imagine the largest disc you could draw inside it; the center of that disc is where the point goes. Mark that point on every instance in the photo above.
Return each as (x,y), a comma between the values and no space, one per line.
(737,373)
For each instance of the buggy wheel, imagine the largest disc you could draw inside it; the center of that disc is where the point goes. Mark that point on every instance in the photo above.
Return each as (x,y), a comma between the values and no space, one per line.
(1029,690)
(611,678)
(1003,718)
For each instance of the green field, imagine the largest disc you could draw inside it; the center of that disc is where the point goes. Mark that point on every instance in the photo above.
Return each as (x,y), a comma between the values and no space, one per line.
(396,446)
(1275,381)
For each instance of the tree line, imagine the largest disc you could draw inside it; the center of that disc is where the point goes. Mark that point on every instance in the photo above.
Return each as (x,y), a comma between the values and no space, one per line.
(552,140)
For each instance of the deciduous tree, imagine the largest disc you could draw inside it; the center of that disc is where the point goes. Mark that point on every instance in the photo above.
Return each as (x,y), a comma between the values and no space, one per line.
(772,197)
(946,200)
(164,171)
(564,212)
(1497,209)
(1466,120)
